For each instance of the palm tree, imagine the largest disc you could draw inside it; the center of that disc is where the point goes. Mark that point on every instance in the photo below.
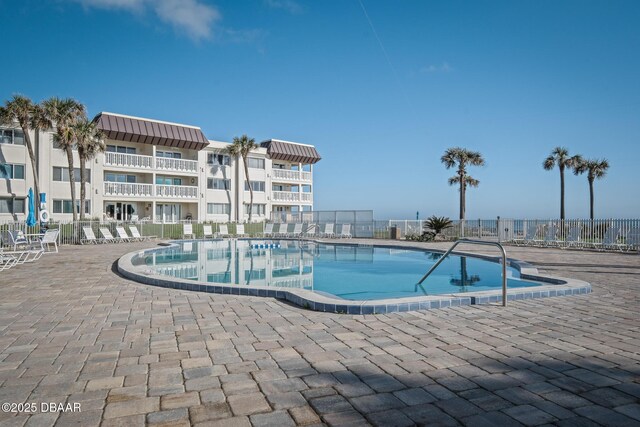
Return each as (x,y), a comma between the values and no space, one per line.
(242,146)
(434,226)
(29,116)
(63,113)
(90,141)
(595,169)
(560,156)
(462,157)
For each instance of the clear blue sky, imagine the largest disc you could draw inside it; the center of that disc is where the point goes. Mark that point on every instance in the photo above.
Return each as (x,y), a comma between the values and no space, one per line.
(380,101)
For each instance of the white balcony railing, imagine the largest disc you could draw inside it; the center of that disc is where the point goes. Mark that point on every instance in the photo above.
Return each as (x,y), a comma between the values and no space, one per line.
(289,196)
(179,165)
(291,175)
(177,191)
(128,189)
(128,160)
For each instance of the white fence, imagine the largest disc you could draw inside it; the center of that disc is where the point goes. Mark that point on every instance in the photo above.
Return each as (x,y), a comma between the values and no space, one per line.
(616,233)
(573,232)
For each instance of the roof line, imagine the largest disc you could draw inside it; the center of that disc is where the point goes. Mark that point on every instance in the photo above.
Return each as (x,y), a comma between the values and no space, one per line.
(149,120)
(289,142)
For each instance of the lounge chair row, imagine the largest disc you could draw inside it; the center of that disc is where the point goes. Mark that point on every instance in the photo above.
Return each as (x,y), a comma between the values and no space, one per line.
(25,250)
(311,230)
(107,237)
(613,238)
(273,230)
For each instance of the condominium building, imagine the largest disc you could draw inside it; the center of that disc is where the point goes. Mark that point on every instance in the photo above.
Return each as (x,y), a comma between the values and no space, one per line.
(158,171)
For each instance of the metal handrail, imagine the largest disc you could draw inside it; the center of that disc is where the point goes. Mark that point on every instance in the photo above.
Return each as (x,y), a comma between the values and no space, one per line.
(476,242)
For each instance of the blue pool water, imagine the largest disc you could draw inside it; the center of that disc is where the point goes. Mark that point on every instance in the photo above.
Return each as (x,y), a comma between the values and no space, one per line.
(349,272)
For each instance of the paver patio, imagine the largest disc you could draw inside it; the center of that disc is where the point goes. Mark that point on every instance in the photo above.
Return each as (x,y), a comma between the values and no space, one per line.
(72,330)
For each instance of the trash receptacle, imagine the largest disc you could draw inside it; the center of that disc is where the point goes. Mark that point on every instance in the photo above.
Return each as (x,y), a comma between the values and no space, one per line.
(395,233)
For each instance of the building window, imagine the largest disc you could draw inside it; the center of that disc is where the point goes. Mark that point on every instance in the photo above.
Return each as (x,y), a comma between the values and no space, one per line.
(119,177)
(65,206)
(256,185)
(255,163)
(169,154)
(11,205)
(218,159)
(167,180)
(62,174)
(258,209)
(218,208)
(121,149)
(9,171)
(11,136)
(218,184)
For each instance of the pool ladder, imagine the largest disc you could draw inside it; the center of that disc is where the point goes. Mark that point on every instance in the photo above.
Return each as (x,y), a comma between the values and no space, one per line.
(475,242)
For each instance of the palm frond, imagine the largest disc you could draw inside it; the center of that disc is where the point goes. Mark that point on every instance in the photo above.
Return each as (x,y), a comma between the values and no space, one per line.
(471,182)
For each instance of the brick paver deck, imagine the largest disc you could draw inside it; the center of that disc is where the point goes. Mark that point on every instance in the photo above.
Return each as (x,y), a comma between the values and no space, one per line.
(73,331)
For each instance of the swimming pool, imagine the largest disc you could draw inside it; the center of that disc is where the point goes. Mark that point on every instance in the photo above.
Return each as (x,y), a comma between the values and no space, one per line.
(346,271)
(333,277)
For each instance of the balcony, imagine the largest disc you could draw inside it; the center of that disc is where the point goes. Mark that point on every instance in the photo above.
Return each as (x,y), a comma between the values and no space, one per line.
(290,175)
(128,189)
(177,191)
(176,165)
(128,160)
(136,161)
(289,196)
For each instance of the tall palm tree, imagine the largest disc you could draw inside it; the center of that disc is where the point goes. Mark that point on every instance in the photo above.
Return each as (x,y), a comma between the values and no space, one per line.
(29,117)
(242,146)
(63,113)
(595,169)
(462,157)
(560,156)
(90,142)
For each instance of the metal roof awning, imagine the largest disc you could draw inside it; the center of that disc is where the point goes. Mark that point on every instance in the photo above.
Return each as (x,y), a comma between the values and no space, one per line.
(146,131)
(291,151)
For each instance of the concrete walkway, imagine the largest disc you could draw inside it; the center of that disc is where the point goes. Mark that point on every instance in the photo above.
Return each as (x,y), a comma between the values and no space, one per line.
(73,331)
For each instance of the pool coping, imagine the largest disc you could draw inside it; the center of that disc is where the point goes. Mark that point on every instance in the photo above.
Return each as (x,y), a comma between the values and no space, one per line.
(557,286)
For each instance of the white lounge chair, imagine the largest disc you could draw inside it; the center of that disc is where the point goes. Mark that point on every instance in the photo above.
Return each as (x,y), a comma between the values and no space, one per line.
(311,230)
(207,231)
(107,237)
(550,235)
(633,239)
(283,229)
(223,230)
(574,238)
(240,230)
(50,237)
(276,230)
(529,235)
(7,260)
(610,239)
(297,230)
(136,234)
(328,230)
(345,231)
(268,230)
(15,239)
(89,236)
(122,234)
(187,230)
